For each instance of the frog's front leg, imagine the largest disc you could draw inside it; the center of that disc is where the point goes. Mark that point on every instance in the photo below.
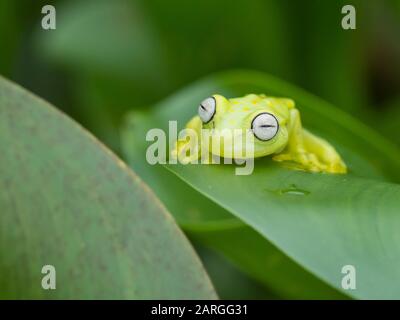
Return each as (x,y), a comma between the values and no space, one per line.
(310,152)
(187,148)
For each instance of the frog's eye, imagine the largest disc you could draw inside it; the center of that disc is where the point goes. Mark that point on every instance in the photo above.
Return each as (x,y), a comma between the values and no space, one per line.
(207,109)
(265,126)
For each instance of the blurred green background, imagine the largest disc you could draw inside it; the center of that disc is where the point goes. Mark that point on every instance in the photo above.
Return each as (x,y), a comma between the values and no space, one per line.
(107,57)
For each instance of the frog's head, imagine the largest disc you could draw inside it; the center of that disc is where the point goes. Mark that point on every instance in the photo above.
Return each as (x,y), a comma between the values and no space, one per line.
(262,119)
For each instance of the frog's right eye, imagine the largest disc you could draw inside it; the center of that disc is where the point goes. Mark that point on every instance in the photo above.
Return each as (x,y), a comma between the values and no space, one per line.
(265,126)
(207,109)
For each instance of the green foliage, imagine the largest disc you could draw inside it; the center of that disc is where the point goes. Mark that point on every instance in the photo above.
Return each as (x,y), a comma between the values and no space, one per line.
(337,220)
(108,57)
(151,48)
(67,201)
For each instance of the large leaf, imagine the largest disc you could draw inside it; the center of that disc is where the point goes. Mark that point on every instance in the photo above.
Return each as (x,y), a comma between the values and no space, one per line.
(215,227)
(321,221)
(265,263)
(67,201)
(230,283)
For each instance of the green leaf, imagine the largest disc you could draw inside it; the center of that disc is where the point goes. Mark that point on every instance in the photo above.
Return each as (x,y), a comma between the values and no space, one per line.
(265,263)
(67,201)
(337,220)
(213,226)
(229,281)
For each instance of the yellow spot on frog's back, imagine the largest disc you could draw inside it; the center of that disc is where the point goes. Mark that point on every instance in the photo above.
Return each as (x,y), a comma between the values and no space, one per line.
(245,109)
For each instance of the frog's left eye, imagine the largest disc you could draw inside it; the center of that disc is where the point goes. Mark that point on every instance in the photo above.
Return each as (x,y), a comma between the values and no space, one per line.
(207,109)
(265,126)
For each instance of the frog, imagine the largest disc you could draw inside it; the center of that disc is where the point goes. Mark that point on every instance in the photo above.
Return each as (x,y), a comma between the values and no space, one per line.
(273,122)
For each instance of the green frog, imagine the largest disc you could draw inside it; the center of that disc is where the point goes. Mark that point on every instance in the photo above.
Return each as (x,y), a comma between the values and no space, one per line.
(274,124)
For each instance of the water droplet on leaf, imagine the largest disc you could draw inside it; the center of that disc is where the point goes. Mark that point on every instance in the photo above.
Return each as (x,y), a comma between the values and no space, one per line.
(291,190)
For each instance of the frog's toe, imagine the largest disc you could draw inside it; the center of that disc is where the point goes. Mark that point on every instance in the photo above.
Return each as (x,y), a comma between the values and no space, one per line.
(182,153)
(312,162)
(186,158)
(283,157)
(337,167)
(316,164)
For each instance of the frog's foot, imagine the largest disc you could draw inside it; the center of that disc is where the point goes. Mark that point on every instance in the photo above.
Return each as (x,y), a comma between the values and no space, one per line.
(311,162)
(185,152)
(301,161)
(337,166)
